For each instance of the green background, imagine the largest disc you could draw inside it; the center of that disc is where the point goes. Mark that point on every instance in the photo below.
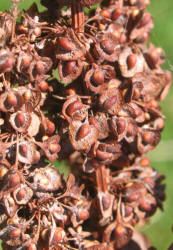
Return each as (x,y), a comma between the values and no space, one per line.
(159,229)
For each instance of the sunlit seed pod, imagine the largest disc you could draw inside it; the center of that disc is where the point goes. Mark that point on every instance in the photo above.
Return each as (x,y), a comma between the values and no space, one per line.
(131,61)
(108,46)
(27,95)
(11,201)
(98,77)
(43,85)
(23,149)
(73,107)
(11,100)
(53,148)
(102,27)
(26,60)
(40,67)
(110,102)
(50,128)
(135,13)
(69,67)
(36,156)
(121,125)
(3,171)
(45,234)
(37,31)
(106,13)
(66,44)
(32,247)
(15,233)
(44,181)
(116,14)
(82,214)
(21,194)
(145,206)
(120,231)
(19,120)
(147,138)
(145,162)
(83,131)
(22,29)
(106,202)
(14,180)
(45,138)
(58,235)
(6,61)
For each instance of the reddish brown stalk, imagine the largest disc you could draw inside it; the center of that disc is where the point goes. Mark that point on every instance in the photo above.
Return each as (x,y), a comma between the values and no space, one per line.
(77,17)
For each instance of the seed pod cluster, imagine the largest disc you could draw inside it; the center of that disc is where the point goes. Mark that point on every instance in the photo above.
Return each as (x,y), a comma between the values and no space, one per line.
(84,88)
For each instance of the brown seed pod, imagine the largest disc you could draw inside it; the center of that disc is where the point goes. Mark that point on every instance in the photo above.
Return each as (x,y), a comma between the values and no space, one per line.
(26,152)
(141,30)
(131,61)
(100,122)
(74,109)
(69,47)
(97,78)
(149,85)
(20,121)
(111,100)
(82,135)
(46,179)
(9,205)
(22,194)
(107,47)
(69,70)
(6,60)
(147,140)
(10,101)
(50,147)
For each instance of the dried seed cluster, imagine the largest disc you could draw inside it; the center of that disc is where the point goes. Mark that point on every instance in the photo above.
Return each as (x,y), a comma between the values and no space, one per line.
(101,114)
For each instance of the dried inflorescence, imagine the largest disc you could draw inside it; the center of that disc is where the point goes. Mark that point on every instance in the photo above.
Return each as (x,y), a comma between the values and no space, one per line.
(102,122)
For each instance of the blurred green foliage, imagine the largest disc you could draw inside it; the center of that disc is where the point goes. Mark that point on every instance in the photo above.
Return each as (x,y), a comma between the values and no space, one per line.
(159,228)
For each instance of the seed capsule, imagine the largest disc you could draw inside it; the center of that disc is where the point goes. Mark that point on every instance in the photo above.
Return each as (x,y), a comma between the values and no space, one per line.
(120,231)
(14,180)
(23,149)
(147,138)
(66,44)
(19,120)
(116,14)
(83,214)
(21,194)
(74,106)
(50,127)
(110,102)
(26,60)
(106,13)
(43,85)
(131,61)
(83,131)
(108,46)
(145,162)
(32,247)
(37,31)
(3,172)
(40,67)
(53,147)
(106,202)
(69,67)
(121,125)
(58,235)
(98,77)
(15,233)
(11,100)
